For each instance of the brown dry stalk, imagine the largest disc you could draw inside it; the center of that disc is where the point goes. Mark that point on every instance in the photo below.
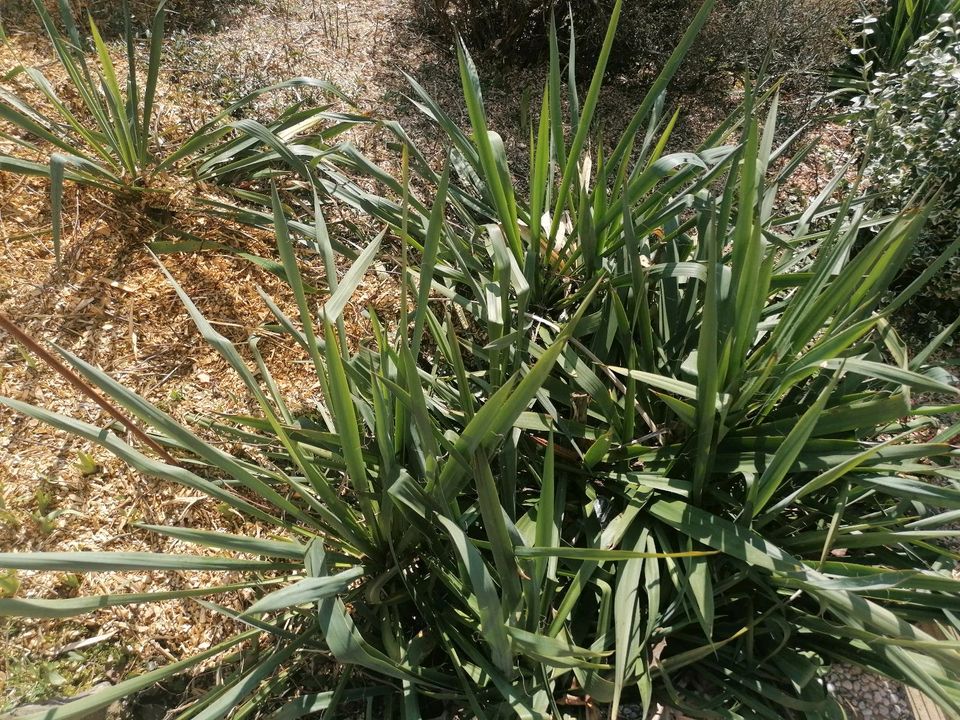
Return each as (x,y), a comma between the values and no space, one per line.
(81,385)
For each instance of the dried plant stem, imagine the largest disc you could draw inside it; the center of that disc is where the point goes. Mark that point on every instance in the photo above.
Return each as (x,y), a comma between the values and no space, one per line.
(76,381)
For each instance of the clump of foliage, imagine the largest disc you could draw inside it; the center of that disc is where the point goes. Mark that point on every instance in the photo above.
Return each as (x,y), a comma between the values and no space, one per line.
(914,120)
(506,22)
(106,135)
(640,438)
(794,36)
(112,16)
(884,40)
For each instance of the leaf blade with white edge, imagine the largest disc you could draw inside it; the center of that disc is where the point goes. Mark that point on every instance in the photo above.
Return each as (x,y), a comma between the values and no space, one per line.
(79,709)
(306,590)
(348,285)
(122,561)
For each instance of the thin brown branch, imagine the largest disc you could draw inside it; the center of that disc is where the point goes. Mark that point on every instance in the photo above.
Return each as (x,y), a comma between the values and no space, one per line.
(80,384)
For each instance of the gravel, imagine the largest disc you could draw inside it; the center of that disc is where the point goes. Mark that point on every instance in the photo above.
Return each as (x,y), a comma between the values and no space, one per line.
(863,695)
(866,696)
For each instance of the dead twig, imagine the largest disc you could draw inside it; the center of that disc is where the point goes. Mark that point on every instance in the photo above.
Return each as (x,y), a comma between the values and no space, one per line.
(80,384)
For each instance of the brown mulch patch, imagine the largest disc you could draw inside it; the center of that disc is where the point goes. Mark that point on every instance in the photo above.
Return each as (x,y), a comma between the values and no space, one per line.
(109,303)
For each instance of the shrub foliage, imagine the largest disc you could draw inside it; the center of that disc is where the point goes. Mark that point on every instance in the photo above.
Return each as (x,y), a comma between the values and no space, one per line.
(913,116)
(791,35)
(884,39)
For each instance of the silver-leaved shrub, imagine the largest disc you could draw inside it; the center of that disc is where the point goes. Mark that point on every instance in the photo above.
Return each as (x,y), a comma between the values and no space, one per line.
(915,117)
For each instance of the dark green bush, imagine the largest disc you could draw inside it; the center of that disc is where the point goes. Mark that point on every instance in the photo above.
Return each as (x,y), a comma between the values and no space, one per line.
(110,14)
(795,35)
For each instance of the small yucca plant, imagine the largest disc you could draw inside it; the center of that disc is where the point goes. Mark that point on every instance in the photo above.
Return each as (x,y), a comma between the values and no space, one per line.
(107,136)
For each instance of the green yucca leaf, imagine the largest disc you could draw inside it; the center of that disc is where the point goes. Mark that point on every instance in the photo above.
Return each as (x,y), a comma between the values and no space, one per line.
(786,455)
(153,76)
(491,511)
(270,139)
(332,509)
(709,372)
(34,123)
(554,96)
(122,132)
(429,261)
(627,611)
(492,613)
(57,163)
(668,384)
(70,607)
(466,149)
(308,590)
(347,286)
(888,373)
(490,151)
(307,338)
(571,168)
(540,180)
(101,562)
(345,416)
(553,650)
(104,698)
(663,80)
(225,541)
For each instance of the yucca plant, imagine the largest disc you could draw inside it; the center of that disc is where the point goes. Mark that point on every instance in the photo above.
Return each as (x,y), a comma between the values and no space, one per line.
(483,545)
(488,516)
(104,134)
(395,549)
(726,331)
